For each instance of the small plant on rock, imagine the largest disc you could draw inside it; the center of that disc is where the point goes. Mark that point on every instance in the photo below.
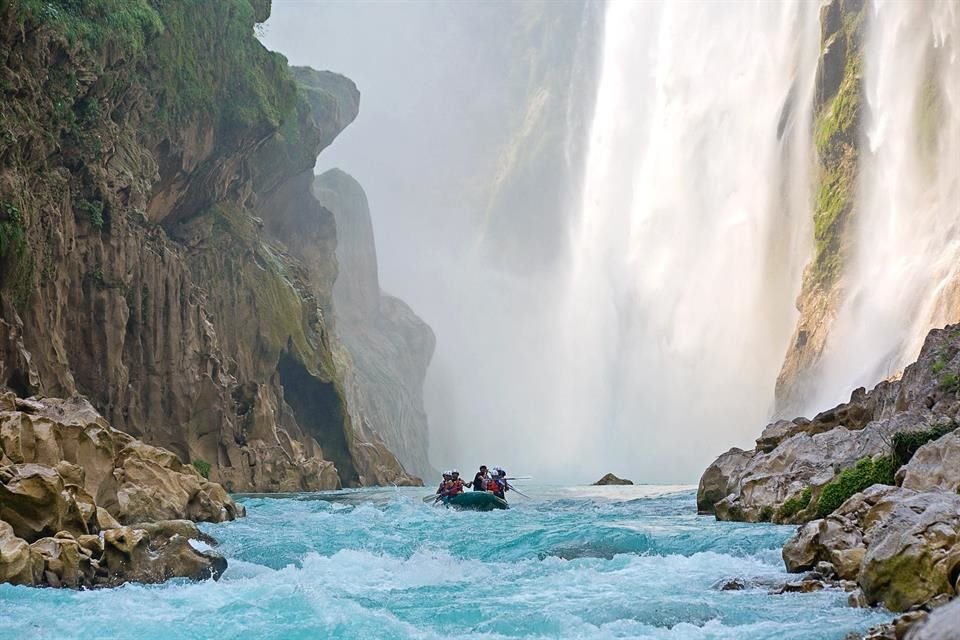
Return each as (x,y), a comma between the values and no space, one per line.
(202,467)
(867,472)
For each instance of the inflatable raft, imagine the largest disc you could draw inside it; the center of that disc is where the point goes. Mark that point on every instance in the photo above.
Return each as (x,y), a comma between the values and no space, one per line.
(477,501)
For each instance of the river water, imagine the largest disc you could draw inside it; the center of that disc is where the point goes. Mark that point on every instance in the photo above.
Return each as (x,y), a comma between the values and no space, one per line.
(610,562)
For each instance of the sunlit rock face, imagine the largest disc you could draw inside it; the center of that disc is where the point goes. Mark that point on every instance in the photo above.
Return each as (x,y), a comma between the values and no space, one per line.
(139,265)
(887,136)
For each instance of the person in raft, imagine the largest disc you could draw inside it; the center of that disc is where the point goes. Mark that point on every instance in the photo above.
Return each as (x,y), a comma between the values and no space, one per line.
(442,489)
(479,482)
(452,485)
(498,483)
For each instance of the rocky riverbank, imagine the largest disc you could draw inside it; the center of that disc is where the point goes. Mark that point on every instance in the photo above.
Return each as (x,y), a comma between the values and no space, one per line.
(83,505)
(874,482)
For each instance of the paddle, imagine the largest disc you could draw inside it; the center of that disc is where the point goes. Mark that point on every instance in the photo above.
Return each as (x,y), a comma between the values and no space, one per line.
(519,478)
(432,496)
(514,489)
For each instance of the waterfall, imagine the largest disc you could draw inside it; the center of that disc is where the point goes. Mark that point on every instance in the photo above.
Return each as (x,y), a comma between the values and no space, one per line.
(904,276)
(693,232)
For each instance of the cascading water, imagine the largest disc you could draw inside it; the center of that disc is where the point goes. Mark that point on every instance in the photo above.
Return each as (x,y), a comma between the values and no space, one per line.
(905,271)
(693,231)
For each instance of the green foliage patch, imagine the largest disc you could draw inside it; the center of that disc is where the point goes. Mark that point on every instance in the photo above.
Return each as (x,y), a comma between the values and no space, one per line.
(96,24)
(94,210)
(202,467)
(906,443)
(865,473)
(796,504)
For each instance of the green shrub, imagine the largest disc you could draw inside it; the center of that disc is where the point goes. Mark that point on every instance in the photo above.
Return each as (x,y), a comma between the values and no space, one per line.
(202,467)
(94,210)
(796,504)
(866,472)
(950,382)
(11,229)
(766,513)
(938,365)
(906,443)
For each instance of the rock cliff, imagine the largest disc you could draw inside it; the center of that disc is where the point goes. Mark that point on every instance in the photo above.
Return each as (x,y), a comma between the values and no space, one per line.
(389,344)
(837,136)
(150,188)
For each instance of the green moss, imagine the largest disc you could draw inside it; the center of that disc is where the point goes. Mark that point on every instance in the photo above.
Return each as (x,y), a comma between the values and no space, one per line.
(795,505)
(865,473)
(97,24)
(938,365)
(242,83)
(16,265)
(202,467)
(906,443)
(950,382)
(836,132)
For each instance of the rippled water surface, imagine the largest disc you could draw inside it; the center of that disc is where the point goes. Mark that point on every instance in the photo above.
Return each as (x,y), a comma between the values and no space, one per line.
(632,562)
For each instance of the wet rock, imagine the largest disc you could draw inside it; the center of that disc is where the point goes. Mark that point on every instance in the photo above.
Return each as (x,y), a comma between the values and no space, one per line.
(136,555)
(610,479)
(941,624)
(800,586)
(63,559)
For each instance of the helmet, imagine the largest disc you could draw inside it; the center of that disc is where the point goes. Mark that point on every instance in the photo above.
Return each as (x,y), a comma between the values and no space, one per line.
(447,474)
(454,472)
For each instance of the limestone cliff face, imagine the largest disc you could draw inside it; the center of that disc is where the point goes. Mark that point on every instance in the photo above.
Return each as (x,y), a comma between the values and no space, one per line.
(141,178)
(389,345)
(837,117)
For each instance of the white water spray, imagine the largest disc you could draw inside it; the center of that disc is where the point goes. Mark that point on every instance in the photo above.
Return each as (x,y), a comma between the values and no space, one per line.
(905,273)
(693,232)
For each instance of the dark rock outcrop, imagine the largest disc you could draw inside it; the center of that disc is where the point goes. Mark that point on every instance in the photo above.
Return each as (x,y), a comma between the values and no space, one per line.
(610,479)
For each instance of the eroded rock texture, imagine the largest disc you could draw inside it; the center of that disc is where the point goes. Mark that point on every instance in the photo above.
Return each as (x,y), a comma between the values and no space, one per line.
(149,188)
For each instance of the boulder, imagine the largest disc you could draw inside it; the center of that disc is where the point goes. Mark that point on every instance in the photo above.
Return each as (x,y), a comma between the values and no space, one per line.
(942,624)
(19,564)
(34,500)
(913,553)
(612,479)
(149,483)
(134,481)
(138,555)
(760,483)
(720,479)
(65,562)
(902,546)
(935,465)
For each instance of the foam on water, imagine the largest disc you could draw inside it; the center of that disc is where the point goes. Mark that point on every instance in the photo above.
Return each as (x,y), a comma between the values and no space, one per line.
(570,563)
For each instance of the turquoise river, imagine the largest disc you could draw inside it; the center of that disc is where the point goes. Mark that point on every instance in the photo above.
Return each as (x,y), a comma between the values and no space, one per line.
(632,562)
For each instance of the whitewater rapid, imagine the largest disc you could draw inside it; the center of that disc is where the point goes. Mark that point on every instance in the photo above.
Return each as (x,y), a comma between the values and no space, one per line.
(628,562)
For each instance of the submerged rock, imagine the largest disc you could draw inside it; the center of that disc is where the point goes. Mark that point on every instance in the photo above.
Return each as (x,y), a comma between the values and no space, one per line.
(611,479)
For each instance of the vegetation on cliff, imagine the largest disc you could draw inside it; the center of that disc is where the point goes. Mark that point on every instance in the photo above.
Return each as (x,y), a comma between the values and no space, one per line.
(836,134)
(142,145)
